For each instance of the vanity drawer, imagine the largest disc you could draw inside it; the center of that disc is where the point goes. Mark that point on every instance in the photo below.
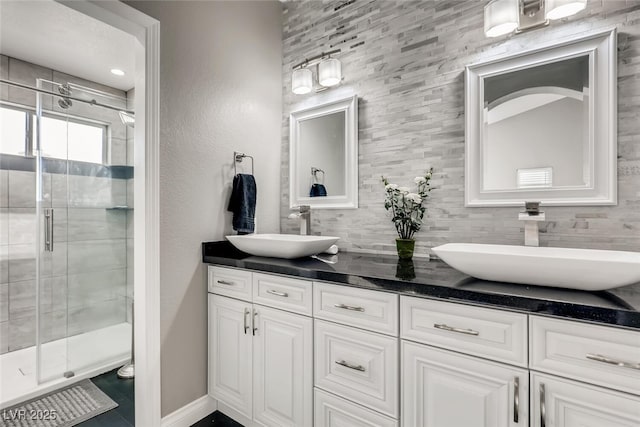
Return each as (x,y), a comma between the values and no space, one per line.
(333,411)
(283,292)
(362,308)
(358,365)
(493,334)
(596,354)
(230,282)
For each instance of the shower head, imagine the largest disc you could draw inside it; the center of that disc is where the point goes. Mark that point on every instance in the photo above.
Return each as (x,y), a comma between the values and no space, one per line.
(128,119)
(64,89)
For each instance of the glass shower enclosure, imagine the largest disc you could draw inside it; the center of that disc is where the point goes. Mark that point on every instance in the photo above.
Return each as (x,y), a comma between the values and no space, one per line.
(70,237)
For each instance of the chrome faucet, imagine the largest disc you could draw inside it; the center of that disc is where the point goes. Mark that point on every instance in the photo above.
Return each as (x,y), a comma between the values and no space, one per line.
(531,217)
(305,219)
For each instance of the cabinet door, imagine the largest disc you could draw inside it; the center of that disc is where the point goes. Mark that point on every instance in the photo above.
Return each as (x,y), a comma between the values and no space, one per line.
(283,366)
(445,389)
(557,402)
(230,365)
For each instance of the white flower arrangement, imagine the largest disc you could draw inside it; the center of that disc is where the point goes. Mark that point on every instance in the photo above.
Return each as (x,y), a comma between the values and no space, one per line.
(406,207)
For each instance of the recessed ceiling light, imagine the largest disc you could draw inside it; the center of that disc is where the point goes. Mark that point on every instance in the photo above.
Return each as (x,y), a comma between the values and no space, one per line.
(117,72)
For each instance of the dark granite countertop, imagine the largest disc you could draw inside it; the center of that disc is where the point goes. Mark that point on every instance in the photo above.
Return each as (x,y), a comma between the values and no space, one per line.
(435,279)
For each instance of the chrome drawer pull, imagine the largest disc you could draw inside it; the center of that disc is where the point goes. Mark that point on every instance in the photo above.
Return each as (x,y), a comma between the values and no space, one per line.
(610,361)
(543,407)
(452,329)
(349,307)
(350,366)
(225,282)
(516,399)
(276,293)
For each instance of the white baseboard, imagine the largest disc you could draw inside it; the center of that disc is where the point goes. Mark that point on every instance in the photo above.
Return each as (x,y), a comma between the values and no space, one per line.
(190,413)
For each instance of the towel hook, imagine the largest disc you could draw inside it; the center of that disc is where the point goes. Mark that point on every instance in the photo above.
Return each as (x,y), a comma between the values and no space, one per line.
(237,158)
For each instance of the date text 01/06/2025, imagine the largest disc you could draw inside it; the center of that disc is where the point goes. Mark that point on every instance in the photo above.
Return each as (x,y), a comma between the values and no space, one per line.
(31,414)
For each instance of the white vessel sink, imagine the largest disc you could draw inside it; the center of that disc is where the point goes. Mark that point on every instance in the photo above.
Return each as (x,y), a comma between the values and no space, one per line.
(584,269)
(282,245)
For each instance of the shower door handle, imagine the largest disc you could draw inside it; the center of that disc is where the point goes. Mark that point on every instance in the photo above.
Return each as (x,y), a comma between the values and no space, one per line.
(51,230)
(48,230)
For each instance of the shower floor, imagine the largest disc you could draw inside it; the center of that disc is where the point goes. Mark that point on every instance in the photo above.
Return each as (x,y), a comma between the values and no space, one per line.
(87,354)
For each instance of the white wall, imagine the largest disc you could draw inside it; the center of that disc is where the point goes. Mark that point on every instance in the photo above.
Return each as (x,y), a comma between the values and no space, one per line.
(322,145)
(553,138)
(220,91)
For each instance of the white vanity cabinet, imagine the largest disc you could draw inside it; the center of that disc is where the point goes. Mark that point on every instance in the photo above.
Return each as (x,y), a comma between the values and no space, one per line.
(468,366)
(230,353)
(260,358)
(559,402)
(290,352)
(356,356)
(565,356)
(441,386)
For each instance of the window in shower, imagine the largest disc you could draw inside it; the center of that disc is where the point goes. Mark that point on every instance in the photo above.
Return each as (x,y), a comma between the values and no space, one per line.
(62,137)
(69,139)
(14,128)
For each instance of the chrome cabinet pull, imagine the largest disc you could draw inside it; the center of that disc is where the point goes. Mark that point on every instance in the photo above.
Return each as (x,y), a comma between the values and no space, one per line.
(246,325)
(543,407)
(349,307)
(255,328)
(516,399)
(225,282)
(350,366)
(611,361)
(276,293)
(452,329)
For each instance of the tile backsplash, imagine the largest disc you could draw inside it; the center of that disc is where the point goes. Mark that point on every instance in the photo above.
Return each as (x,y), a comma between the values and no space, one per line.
(409,77)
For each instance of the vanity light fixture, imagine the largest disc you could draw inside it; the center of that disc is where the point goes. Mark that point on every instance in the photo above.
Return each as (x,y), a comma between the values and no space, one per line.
(329,73)
(506,16)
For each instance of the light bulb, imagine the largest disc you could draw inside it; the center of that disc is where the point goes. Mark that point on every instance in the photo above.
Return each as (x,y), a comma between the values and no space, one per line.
(500,17)
(301,81)
(558,9)
(329,72)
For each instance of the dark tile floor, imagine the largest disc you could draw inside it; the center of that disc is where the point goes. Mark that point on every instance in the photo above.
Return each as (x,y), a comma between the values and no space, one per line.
(121,391)
(217,419)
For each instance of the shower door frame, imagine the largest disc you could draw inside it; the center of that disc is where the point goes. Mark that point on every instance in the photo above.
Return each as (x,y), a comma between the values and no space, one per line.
(146,193)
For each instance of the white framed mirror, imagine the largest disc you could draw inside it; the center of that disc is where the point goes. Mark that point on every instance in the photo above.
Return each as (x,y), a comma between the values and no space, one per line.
(541,126)
(323,155)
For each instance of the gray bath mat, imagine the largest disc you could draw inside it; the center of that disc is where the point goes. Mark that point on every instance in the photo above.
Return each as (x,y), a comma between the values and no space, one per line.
(61,408)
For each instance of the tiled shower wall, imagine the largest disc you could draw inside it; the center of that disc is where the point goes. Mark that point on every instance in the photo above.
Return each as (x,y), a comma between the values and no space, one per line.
(84,284)
(409,77)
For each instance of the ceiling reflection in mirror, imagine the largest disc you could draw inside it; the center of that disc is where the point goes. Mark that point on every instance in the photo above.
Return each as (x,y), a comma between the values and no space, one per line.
(536,127)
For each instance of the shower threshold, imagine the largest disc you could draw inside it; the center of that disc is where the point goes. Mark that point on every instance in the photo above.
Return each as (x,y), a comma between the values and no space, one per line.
(89,354)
